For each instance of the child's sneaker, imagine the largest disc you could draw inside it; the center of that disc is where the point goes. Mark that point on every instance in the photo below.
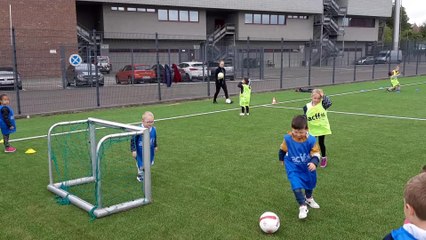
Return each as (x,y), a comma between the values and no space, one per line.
(242,114)
(323,163)
(248,114)
(303,212)
(140,178)
(311,203)
(10,149)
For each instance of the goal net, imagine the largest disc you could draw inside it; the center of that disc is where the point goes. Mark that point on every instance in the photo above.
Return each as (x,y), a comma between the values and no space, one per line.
(92,167)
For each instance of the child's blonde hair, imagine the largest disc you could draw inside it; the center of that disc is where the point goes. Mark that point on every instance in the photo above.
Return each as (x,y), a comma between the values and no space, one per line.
(146,114)
(317,91)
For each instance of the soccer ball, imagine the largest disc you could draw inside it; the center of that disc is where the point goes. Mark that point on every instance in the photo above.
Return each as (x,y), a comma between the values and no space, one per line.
(228,101)
(269,222)
(220,76)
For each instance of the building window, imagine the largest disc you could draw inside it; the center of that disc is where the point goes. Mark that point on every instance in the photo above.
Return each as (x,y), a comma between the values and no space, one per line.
(150,10)
(274,19)
(264,19)
(281,19)
(173,15)
(248,18)
(131,9)
(177,15)
(183,16)
(257,18)
(193,16)
(162,15)
(121,9)
(298,17)
(141,9)
(359,22)
(114,8)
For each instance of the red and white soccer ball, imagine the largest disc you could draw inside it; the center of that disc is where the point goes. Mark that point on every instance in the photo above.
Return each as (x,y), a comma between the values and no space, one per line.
(269,222)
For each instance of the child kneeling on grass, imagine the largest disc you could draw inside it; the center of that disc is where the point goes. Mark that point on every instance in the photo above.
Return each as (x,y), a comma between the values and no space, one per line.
(300,154)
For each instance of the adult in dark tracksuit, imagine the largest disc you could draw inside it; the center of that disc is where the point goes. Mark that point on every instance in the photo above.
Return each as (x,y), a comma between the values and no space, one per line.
(219,76)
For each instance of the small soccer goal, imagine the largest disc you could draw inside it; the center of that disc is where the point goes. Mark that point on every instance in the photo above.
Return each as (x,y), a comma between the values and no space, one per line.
(92,167)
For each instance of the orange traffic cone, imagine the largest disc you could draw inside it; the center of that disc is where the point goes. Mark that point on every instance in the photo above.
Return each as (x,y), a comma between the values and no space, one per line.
(274,100)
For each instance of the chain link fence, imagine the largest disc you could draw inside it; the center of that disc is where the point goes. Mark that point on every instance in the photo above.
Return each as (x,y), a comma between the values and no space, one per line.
(120,69)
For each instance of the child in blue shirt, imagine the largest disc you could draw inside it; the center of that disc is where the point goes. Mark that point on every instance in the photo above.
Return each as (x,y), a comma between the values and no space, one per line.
(7,122)
(300,155)
(414,210)
(136,144)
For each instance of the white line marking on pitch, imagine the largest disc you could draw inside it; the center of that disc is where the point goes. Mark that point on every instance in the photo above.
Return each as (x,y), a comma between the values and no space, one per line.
(356,114)
(232,109)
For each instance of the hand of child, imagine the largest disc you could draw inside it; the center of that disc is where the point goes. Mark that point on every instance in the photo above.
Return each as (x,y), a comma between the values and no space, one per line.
(282,163)
(156,149)
(12,127)
(134,154)
(312,167)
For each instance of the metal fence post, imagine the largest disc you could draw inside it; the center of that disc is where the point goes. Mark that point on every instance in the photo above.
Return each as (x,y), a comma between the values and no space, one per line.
(261,65)
(158,66)
(374,62)
(281,63)
(417,59)
(15,70)
(356,51)
(168,57)
(95,60)
(63,67)
(206,59)
(405,58)
(334,70)
(248,57)
(289,58)
(132,64)
(309,63)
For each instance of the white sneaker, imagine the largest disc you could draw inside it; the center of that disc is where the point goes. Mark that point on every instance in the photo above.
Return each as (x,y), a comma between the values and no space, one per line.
(311,202)
(242,114)
(248,114)
(303,212)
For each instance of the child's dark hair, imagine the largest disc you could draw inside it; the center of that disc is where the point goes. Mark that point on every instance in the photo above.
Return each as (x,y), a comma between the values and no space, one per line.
(424,168)
(2,96)
(299,122)
(390,73)
(246,80)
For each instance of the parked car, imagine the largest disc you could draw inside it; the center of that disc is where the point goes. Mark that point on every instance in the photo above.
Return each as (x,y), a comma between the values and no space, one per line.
(229,68)
(392,56)
(104,64)
(185,77)
(193,70)
(7,78)
(141,73)
(83,75)
(366,60)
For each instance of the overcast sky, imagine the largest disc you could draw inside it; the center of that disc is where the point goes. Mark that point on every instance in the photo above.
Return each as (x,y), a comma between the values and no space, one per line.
(416,10)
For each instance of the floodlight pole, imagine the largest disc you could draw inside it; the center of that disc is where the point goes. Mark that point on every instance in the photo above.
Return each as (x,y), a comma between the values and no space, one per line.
(396,25)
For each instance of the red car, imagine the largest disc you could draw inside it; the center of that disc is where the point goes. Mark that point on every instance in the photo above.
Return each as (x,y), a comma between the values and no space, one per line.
(141,74)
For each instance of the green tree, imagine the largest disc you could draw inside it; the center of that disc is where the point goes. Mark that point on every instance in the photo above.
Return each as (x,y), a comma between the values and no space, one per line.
(405,25)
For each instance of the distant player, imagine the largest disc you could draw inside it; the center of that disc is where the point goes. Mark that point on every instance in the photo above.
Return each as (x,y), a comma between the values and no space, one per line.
(245,94)
(219,76)
(137,141)
(316,113)
(393,75)
(7,122)
(414,210)
(300,155)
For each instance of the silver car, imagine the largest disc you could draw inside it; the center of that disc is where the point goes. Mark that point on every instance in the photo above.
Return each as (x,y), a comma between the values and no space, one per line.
(229,68)
(7,78)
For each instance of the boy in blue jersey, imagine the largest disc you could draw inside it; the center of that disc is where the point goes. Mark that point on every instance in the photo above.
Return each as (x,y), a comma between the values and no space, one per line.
(7,122)
(414,210)
(136,144)
(300,154)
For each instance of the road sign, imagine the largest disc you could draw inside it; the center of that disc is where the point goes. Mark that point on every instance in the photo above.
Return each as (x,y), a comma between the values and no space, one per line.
(75,60)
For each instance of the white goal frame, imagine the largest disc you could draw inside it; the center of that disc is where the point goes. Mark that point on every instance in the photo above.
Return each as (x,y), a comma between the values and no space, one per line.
(99,211)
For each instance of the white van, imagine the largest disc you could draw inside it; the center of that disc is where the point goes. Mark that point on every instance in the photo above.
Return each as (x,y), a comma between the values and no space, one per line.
(392,56)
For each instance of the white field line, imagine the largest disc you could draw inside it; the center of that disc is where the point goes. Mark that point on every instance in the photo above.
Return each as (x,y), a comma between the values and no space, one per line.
(356,114)
(226,110)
